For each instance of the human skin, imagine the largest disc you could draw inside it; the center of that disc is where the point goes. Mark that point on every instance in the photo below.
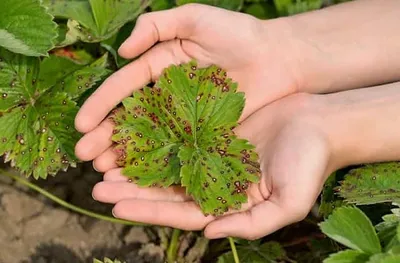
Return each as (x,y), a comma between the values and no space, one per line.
(301,139)
(343,47)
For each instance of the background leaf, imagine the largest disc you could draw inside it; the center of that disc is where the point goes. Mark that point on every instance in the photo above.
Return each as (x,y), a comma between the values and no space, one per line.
(351,227)
(95,20)
(255,252)
(347,256)
(37,112)
(371,184)
(26,27)
(227,4)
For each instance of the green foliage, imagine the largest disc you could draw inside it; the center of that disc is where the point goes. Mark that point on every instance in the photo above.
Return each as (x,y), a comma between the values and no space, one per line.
(388,230)
(371,184)
(292,7)
(227,4)
(351,227)
(348,256)
(26,27)
(94,20)
(329,200)
(255,252)
(37,110)
(181,131)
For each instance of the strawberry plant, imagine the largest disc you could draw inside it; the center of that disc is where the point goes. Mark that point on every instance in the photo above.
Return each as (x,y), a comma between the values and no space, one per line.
(54,53)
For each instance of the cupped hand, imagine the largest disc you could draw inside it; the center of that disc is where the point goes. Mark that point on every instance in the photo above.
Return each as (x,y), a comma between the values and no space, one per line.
(295,161)
(255,53)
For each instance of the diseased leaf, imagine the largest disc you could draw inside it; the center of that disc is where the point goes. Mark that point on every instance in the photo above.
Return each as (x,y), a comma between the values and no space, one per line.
(26,27)
(352,228)
(95,20)
(371,184)
(227,4)
(347,256)
(181,131)
(36,118)
(255,252)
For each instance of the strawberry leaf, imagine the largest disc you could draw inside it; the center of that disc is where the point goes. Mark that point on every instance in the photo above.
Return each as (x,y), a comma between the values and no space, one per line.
(26,27)
(37,111)
(371,184)
(94,20)
(181,132)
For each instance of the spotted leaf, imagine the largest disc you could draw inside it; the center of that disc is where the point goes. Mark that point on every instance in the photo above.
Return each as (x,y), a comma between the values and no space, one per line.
(37,132)
(181,131)
(95,20)
(370,184)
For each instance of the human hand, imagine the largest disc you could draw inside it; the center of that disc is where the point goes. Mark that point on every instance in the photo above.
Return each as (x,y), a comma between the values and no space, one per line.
(250,50)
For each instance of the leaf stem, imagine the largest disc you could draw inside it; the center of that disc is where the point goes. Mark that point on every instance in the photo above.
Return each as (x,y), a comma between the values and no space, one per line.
(173,246)
(234,251)
(66,204)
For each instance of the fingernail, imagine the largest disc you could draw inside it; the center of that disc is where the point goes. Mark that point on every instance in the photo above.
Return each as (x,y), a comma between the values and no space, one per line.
(112,211)
(93,197)
(94,167)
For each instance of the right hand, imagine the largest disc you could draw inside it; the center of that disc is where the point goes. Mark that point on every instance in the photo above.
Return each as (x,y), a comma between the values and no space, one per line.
(253,52)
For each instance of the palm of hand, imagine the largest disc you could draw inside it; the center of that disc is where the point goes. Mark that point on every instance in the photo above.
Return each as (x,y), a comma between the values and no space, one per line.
(288,188)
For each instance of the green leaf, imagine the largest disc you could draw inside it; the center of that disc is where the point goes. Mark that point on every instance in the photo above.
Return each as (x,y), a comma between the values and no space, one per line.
(181,131)
(26,27)
(370,184)
(388,229)
(329,201)
(36,118)
(292,7)
(95,20)
(227,4)
(352,228)
(158,5)
(347,256)
(255,252)
(391,259)
(261,10)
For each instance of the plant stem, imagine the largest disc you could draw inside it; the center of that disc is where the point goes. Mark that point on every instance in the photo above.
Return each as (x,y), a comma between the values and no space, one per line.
(173,246)
(234,251)
(66,204)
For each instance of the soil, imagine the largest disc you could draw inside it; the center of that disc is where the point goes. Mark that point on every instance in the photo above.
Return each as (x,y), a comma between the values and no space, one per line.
(34,229)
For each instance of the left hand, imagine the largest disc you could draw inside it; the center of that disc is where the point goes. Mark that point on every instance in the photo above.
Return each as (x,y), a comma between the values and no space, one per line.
(295,160)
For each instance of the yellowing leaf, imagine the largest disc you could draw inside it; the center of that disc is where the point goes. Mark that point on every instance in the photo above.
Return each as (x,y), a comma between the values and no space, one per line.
(181,132)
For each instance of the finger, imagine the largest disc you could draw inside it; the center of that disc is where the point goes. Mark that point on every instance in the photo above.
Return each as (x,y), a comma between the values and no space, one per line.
(113,192)
(95,142)
(261,220)
(159,26)
(106,161)
(115,175)
(186,215)
(123,82)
